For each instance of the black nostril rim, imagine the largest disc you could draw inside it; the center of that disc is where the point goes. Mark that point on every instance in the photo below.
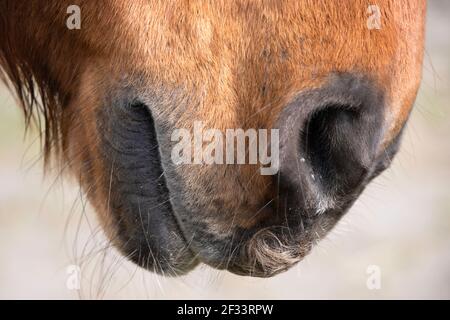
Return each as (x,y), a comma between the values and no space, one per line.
(338,145)
(329,139)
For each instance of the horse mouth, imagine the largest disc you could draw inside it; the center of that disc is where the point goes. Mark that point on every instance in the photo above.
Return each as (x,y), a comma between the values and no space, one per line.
(168,219)
(148,230)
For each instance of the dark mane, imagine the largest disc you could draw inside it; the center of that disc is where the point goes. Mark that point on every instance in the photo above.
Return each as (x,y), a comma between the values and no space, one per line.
(24,69)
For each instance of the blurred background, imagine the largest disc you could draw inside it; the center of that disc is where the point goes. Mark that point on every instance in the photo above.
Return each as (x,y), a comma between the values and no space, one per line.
(400,227)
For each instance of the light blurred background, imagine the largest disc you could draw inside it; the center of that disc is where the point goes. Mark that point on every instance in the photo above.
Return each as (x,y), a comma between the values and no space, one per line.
(401,224)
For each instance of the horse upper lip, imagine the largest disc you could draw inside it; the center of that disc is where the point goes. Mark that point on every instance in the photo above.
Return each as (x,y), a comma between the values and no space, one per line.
(139,200)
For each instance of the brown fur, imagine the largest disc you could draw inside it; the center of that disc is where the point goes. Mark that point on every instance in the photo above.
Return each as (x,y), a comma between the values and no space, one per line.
(233,63)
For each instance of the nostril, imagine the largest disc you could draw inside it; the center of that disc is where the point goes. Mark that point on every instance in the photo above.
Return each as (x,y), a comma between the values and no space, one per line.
(339,143)
(330,141)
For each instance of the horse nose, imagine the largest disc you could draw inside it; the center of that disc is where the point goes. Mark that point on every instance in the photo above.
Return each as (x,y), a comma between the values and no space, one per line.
(330,141)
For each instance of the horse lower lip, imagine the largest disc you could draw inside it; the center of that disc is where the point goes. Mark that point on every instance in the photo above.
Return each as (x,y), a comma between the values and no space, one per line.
(268,254)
